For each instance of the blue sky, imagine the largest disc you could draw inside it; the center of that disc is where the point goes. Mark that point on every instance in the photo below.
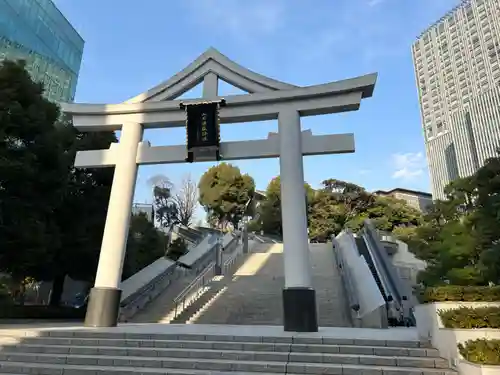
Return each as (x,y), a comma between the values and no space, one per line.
(133,45)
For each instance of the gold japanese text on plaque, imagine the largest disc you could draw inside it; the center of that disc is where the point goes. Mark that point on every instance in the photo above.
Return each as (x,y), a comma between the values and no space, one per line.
(202,131)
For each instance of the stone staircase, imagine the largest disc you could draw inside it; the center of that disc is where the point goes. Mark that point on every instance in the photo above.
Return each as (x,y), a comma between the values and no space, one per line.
(254,294)
(211,292)
(251,292)
(74,352)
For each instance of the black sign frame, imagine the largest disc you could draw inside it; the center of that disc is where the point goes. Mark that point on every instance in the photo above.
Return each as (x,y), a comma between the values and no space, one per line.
(202,130)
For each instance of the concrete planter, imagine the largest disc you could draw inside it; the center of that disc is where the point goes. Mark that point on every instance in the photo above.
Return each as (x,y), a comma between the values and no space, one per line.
(427,315)
(446,340)
(468,368)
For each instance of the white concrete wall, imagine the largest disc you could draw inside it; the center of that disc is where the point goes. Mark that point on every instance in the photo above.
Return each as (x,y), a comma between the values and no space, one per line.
(467,368)
(428,320)
(144,277)
(407,265)
(404,257)
(446,340)
(198,251)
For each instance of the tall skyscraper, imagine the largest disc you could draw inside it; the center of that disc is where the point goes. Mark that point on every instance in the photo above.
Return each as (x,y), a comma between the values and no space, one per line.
(37,32)
(458,77)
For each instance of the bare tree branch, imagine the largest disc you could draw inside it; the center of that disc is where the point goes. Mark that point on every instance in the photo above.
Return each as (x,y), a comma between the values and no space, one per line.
(186,200)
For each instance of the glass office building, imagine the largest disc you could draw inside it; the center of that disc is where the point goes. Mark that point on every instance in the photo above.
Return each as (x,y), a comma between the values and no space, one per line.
(37,32)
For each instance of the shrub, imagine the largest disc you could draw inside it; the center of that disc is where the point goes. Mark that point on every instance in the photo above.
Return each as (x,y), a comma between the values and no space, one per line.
(461,294)
(177,248)
(481,351)
(42,312)
(470,318)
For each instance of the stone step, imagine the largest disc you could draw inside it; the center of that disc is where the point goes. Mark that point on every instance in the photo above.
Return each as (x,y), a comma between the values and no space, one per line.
(97,334)
(56,345)
(199,367)
(48,369)
(213,288)
(155,357)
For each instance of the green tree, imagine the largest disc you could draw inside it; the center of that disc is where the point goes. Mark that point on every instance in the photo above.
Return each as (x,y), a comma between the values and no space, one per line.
(270,208)
(32,175)
(82,213)
(165,208)
(341,204)
(224,193)
(486,220)
(459,238)
(145,244)
(177,248)
(51,214)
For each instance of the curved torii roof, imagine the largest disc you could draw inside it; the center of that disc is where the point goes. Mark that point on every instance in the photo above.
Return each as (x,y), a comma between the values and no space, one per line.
(266,97)
(211,61)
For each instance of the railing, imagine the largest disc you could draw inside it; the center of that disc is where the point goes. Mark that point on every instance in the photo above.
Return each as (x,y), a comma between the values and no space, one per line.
(196,288)
(347,279)
(231,262)
(387,289)
(193,291)
(386,270)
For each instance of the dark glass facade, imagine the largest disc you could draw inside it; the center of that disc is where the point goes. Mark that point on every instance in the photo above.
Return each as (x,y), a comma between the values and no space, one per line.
(37,32)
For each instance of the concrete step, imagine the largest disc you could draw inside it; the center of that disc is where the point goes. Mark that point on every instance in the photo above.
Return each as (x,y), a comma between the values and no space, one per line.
(64,354)
(254,297)
(75,352)
(213,289)
(63,345)
(99,335)
(214,368)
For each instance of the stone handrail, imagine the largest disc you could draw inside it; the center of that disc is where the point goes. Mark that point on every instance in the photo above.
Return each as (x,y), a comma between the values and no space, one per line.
(147,284)
(369,297)
(347,279)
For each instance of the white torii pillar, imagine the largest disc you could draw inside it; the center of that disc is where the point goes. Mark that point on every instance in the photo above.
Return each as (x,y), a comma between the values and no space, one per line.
(299,298)
(105,296)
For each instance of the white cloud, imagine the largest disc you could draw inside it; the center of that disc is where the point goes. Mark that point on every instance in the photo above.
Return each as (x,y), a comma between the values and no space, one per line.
(408,166)
(240,18)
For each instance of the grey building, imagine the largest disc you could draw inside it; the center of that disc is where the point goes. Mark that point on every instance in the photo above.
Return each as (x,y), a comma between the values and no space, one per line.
(37,32)
(416,199)
(458,78)
(144,208)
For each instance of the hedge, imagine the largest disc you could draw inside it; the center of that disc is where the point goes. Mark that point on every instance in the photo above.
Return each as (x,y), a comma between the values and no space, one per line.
(461,294)
(42,312)
(481,351)
(470,318)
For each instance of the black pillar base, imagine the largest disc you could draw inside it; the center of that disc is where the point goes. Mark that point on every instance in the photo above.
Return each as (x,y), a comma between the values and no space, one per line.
(218,270)
(103,307)
(299,310)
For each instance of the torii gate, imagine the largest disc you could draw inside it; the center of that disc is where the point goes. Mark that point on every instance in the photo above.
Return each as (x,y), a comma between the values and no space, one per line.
(267,99)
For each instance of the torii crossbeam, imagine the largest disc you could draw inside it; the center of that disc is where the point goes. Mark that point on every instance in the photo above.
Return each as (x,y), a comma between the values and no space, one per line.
(267,99)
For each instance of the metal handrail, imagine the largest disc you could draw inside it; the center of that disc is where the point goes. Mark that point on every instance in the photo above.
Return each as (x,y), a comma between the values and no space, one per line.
(196,287)
(194,282)
(186,297)
(229,263)
(389,273)
(379,269)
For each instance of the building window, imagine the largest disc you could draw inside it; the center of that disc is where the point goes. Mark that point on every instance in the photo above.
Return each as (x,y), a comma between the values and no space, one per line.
(429,131)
